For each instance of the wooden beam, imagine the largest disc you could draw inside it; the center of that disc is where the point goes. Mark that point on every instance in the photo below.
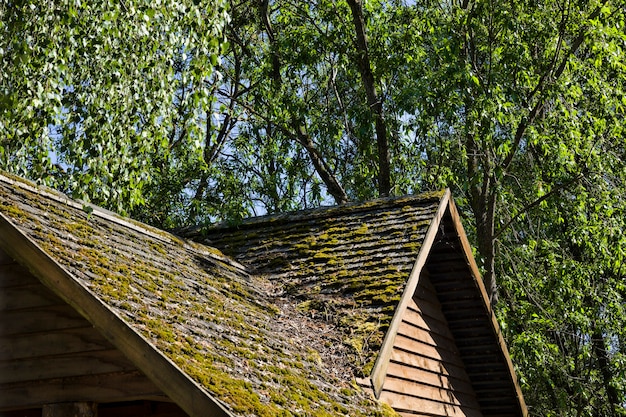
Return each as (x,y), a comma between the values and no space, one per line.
(101,388)
(84,409)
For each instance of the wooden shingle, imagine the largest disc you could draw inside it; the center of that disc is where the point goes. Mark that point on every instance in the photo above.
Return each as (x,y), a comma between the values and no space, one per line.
(210,336)
(333,311)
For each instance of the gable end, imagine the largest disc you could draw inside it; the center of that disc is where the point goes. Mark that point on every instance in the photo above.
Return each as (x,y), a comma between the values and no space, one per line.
(444,351)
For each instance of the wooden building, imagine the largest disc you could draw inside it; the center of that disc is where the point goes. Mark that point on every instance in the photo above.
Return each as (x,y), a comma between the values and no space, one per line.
(358,310)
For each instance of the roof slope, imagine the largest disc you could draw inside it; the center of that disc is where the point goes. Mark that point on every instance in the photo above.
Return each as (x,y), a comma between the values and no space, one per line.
(348,264)
(358,266)
(212,336)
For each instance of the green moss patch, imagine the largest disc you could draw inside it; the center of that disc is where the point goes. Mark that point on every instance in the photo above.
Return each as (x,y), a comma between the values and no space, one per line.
(226,328)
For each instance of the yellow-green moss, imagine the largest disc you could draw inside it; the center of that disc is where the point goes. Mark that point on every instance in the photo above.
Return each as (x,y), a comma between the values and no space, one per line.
(225,299)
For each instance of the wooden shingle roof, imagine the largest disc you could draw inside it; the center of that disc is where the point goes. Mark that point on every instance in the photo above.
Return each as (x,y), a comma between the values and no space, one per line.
(360,265)
(279,315)
(347,264)
(213,337)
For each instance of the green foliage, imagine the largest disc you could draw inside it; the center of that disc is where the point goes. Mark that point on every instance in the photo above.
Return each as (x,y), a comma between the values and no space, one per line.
(517,106)
(90,92)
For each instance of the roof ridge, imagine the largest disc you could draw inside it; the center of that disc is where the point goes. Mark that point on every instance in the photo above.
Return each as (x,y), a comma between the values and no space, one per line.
(321,212)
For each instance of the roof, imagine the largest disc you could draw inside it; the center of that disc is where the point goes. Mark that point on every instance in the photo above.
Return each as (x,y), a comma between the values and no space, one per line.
(278,315)
(347,264)
(212,336)
(359,266)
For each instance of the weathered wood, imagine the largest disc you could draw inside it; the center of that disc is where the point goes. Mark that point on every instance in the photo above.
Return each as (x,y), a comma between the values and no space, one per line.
(42,319)
(141,409)
(13,275)
(68,341)
(451,380)
(160,369)
(84,363)
(423,349)
(410,414)
(31,296)
(382,361)
(426,406)
(470,317)
(5,258)
(420,361)
(425,322)
(430,310)
(102,388)
(428,337)
(82,409)
(415,390)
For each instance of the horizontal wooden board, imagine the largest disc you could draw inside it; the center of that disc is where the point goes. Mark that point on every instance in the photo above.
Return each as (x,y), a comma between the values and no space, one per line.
(13,275)
(456,381)
(42,319)
(413,389)
(25,297)
(141,409)
(433,316)
(102,388)
(49,367)
(59,342)
(423,349)
(454,305)
(402,414)
(5,259)
(429,311)
(419,320)
(426,406)
(423,362)
(427,336)
(425,289)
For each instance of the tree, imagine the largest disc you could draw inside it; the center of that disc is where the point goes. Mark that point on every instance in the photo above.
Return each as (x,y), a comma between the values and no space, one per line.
(89,91)
(517,107)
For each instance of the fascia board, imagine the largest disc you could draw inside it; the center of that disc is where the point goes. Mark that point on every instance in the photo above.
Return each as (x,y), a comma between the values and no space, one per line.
(478,281)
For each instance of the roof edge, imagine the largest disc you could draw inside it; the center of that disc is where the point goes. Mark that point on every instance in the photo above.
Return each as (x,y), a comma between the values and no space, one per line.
(167,376)
(116,218)
(379,371)
(90,208)
(467,251)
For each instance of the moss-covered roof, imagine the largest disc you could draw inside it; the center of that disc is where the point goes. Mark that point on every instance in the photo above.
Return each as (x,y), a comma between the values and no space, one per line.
(347,265)
(245,337)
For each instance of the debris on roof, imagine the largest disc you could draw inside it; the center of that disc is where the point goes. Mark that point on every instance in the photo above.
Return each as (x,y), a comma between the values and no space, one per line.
(250,348)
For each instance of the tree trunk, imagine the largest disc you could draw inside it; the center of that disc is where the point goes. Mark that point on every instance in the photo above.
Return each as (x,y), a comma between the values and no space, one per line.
(321,167)
(482,195)
(373,100)
(486,244)
(599,349)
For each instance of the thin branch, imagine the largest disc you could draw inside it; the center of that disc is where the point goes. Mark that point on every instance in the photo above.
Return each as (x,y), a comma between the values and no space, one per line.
(539,88)
(538,201)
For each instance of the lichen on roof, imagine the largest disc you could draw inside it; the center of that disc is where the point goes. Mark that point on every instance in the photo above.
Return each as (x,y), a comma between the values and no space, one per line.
(347,265)
(226,327)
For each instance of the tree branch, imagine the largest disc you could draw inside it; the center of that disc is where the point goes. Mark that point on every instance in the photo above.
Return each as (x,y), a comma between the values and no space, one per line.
(551,74)
(538,201)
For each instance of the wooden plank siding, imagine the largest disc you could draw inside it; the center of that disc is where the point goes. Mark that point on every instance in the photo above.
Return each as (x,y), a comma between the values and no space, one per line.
(426,374)
(126,316)
(462,296)
(123,409)
(50,354)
